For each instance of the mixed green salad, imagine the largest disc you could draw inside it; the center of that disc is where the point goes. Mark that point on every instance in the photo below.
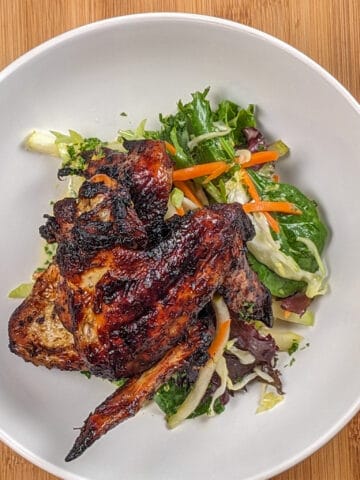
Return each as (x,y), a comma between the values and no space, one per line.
(220,155)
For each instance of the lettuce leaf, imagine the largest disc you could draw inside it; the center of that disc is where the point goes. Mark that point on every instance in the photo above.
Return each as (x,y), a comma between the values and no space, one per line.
(292,227)
(266,246)
(278,286)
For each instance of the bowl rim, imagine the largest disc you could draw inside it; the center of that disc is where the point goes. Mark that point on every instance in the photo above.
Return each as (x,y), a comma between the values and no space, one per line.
(180,16)
(183,17)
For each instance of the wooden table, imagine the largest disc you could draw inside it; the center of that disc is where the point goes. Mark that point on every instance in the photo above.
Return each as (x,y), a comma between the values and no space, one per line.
(326,30)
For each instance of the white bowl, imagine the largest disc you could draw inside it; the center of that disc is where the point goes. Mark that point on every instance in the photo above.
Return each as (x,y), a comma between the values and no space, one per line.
(142,65)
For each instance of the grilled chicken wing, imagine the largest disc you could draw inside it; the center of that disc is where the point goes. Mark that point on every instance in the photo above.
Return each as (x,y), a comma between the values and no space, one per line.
(123,295)
(36,331)
(144,301)
(129,399)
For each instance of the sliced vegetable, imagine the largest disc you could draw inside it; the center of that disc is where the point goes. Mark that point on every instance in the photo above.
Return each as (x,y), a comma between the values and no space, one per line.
(170,148)
(258,158)
(176,197)
(284,339)
(267,251)
(278,286)
(188,193)
(249,184)
(222,371)
(246,179)
(208,136)
(197,171)
(206,372)
(268,400)
(42,142)
(21,291)
(293,228)
(216,173)
(280,147)
(306,319)
(180,211)
(244,356)
(264,206)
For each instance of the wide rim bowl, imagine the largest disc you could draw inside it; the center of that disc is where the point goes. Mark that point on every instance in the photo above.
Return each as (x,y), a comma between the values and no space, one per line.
(184,17)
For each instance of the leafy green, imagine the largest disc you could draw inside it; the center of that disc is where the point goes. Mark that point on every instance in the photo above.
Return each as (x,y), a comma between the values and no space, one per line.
(21,291)
(172,394)
(280,147)
(137,134)
(120,382)
(225,124)
(201,134)
(292,227)
(278,286)
(294,347)
(237,118)
(73,137)
(176,197)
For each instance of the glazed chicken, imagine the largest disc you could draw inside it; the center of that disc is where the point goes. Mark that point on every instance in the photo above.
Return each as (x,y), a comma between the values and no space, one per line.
(124,294)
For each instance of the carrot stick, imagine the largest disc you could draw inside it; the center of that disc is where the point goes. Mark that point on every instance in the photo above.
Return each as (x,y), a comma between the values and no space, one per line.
(276,178)
(220,170)
(180,211)
(196,171)
(265,206)
(188,193)
(170,148)
(219,338)
(274,224)
(261,157)
(249,184)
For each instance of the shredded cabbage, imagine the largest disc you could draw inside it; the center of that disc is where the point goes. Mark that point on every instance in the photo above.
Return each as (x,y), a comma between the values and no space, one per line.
(206,372)
(267,250)
(268,400)
(245,357)
(207,136)
(222,370)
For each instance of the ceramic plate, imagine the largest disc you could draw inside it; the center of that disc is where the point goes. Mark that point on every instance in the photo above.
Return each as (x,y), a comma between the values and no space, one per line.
(142,65)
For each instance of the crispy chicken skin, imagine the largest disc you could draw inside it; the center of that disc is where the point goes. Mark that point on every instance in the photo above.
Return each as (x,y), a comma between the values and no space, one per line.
(129,399)
(144,301)
(123,295)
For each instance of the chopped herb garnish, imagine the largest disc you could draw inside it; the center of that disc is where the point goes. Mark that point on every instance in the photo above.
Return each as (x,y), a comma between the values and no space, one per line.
(120,382)
(294,347)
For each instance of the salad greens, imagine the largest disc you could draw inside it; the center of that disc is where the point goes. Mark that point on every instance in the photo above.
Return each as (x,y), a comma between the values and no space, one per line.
(307,225)
(287,258)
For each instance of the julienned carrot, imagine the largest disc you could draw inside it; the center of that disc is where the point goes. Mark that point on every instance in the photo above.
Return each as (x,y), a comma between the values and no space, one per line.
(261,157)
(249,184)
(196,171)
(276,178)
(180,211)
(265,206)
(216,173)
(222,332)
(170,148)
(188,193)
(274,224)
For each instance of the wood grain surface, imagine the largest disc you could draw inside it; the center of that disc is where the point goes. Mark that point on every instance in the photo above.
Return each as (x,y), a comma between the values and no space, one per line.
(326,30)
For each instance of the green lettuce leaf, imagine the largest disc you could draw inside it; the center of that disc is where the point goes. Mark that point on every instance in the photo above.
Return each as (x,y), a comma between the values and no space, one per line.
(292,227)
(278,286)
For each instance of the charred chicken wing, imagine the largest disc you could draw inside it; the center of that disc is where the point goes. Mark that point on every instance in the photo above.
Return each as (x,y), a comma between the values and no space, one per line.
(123,295)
